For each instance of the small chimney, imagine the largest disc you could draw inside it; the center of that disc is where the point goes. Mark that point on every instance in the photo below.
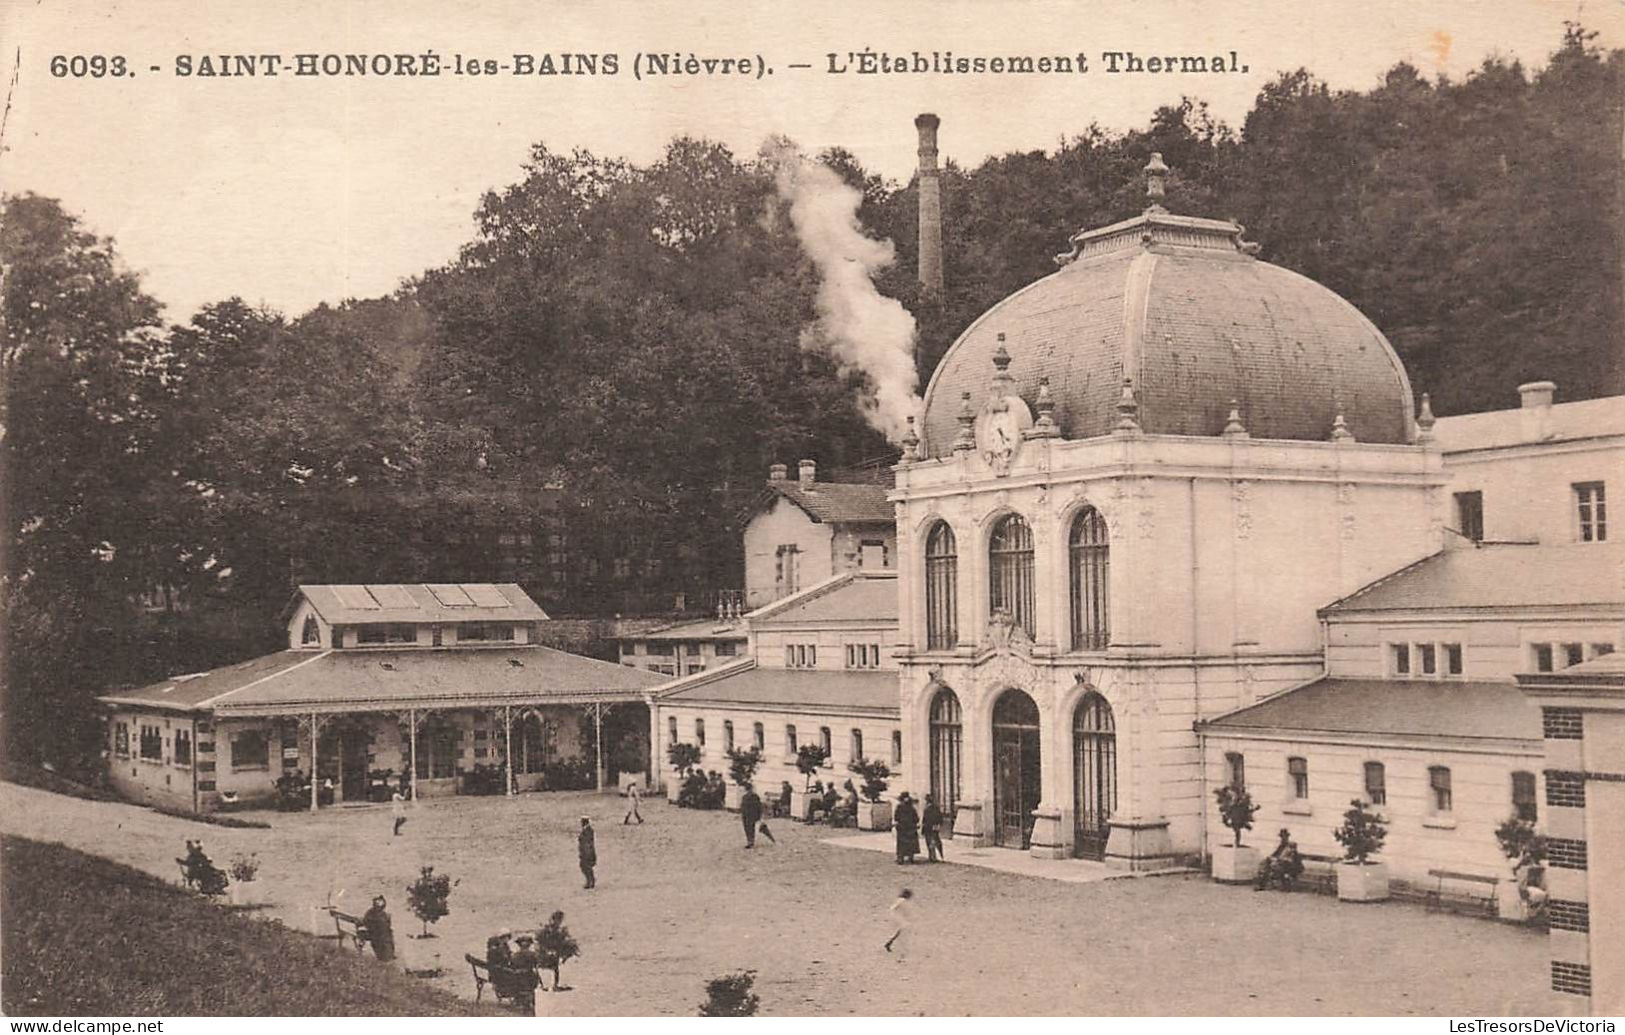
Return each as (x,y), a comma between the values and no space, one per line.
(809,473)
(930,209)
(778,472)
(1537,409)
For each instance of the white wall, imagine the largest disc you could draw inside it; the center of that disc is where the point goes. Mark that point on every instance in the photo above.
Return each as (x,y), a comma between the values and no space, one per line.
(1493,647)
(1528,490)
(784,523)
(155,782)
(778,762)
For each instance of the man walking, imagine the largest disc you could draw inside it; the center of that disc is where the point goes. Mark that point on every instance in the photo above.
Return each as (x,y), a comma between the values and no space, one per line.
(632,799)
(397,805)
(587,850)
(750,814)
(931,827)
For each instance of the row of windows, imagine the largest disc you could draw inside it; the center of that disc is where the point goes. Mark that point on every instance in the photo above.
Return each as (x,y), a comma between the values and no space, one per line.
(1590,513)
(1425,659)
(1440,795)
(1011,583)
(792,742)
(1549,657)
(150,743)
(801,655)
(401,632)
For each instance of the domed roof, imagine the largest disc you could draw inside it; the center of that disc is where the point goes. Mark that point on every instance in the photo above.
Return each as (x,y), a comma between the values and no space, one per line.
(1181,307)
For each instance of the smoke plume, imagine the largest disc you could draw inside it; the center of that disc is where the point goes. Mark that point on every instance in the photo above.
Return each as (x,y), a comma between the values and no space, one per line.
(857,325)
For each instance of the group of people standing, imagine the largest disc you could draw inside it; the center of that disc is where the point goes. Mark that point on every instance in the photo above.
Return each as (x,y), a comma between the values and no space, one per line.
(911,824)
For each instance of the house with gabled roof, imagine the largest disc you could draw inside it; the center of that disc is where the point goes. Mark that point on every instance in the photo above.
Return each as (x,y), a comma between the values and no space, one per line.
(802,531)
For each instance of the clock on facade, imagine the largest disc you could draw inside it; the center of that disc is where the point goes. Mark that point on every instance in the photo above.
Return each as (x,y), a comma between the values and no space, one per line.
(999,430)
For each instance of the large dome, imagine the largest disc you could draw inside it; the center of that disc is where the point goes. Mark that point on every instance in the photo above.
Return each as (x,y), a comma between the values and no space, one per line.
(1181,307)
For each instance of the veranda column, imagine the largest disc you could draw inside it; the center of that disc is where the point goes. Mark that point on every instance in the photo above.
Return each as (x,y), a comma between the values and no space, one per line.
(313,761)
(507,748)
(598,736)
(412,727)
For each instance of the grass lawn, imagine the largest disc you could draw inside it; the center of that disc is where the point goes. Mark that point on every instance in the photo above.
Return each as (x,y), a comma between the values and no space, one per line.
(84,936)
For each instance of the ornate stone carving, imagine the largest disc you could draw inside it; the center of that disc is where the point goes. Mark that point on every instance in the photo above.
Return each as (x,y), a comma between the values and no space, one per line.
(1241,492)
(1148,511)
(1004,634)
(1346,499)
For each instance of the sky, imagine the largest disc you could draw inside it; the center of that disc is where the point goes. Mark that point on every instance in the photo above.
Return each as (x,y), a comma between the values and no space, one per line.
(295,190)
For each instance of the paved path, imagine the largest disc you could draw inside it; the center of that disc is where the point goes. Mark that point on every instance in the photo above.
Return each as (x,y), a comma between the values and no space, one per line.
(1004,860)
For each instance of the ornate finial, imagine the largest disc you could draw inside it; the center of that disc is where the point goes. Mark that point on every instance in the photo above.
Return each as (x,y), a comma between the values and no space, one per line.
(1001,357)
(1340,429)
(1155,170)
(1233,428)
(1044,426)
(1424,420)
(965,441)
(911,444)
(1128,408)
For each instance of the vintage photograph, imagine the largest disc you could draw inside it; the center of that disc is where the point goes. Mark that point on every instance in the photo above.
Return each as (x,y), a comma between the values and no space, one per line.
(1033,509)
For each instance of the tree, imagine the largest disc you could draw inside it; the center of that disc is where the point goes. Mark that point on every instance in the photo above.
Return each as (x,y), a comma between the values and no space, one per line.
(683,757)
(809,759)
(742,766)
(427,897)
(1236,810)
(1361,834)
(556,946)
(874,774)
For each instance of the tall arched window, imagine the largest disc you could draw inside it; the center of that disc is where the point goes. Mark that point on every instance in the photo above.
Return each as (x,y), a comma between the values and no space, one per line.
(1010,571)
(946,741)
(941,588)
(1091,560)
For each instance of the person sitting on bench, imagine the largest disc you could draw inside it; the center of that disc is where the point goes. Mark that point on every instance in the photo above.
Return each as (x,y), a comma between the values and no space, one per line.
(1283,866)
(525,967)
(376,928)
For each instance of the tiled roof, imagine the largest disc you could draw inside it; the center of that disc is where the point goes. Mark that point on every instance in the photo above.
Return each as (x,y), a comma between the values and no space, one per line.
(838,502)
(1393,707)
(860,596)
(1498,575)
(809,690)
(382,676)
(712,630)
(423,602)
(1195,322)
(1500,428)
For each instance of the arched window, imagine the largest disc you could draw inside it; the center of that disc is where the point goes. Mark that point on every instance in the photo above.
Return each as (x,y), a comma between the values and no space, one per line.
(941,588)
(311,634)
(1376,783)
(1523,796)
(946,741)
(1010,571)
(1091,567)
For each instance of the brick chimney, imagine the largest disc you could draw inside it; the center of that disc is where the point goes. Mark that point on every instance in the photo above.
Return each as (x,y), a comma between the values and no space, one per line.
(1536,411)
(930,209)
(777,473)
(809,473)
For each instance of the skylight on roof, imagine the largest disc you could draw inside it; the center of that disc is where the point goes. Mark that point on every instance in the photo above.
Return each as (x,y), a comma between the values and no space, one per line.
(485,595)
(393,596)
(356,597)
(450,595)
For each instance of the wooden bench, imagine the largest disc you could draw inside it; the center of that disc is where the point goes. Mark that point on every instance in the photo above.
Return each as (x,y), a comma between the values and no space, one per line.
(351,927)
(1319,873)
(1435,894)
(507,985)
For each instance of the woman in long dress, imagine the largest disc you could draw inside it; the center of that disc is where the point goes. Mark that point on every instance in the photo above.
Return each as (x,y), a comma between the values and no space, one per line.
(902,920)
(906,819)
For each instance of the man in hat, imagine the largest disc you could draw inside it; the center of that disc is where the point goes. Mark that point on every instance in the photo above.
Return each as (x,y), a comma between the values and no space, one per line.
(907,822)
(750,814)
(524,967)
(931,828)
(1283,866)
(587,851)
(498,953)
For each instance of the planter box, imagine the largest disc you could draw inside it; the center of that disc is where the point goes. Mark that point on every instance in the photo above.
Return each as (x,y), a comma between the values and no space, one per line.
(731,795)
(1356,883)
(874,815)
(801,804)
(674,787)
(1232,865)
(244,893)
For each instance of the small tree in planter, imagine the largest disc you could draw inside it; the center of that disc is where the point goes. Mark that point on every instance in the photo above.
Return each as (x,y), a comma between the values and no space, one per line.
(1525,849)
(873,814)
(427,898)
(244,870)
(742,767)
(556,947)
(683,759)
(731,996)
(1361,835)
(1235,863)
(809,759)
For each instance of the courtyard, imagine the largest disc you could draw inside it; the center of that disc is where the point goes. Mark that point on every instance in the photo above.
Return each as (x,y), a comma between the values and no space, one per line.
(680,901)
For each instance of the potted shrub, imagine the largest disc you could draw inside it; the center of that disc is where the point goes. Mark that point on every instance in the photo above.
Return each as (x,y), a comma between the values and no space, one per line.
(742,772)
(809,759)
(684,758)
(245,872)
(556,947)
(1361,835)
(731,996)
(427,896)
(1523,894)
(873,814)
(1235,863)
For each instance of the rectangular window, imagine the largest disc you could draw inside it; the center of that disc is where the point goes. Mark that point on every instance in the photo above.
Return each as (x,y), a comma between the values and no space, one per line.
(896,747)
(1599,649)
(1593,511)
(727,736)
(812,656)
(727,650)
(1573,654)
(663,650)
(1376,783)
(691,649)
(699,732)
(758,737)
(1439,788)
(789,656)
(787,575)
(826,741)
(1470,515)
(851,654)
(1401,655)
(671,729)
(874,655)
(1235,765)
(1543,656)
(183,747)
(790,745)
(873,553)
(665,670)
(857,745)
(1452,658)
(390,633)
(121,740)
(1427,659)
(1523,796)
(484,632)
(152,743)
(249,749)
(1298,770)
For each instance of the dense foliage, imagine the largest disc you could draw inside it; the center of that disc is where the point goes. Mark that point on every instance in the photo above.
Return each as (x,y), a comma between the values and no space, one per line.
(587,398)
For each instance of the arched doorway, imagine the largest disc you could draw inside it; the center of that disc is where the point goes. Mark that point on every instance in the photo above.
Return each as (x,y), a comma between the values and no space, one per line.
(1016,771)
(1094,775)
(947,739)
